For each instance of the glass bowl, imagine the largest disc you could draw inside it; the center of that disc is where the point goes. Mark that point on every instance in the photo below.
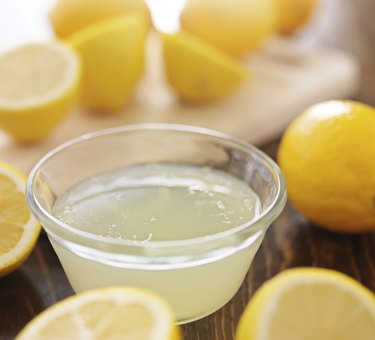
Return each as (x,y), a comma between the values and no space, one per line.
(197,275)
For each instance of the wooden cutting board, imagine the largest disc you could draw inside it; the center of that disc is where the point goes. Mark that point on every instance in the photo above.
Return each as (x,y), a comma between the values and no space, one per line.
(285,79)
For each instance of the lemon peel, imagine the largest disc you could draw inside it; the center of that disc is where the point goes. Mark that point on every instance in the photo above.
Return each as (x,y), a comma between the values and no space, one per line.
(327,157)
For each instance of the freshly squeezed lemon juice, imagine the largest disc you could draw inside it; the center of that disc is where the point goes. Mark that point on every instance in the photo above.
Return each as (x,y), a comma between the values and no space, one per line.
(162,202)
(158,202)
(176,209)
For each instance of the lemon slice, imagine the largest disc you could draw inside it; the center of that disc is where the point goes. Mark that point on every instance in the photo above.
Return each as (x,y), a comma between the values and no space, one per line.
(309,304)
(19,230)
(38,85)
(112,53)
(105,313)
(200,72)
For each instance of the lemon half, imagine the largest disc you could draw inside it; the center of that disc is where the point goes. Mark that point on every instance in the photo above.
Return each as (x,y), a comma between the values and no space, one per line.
(198,71)
(105,313)
(39,85)
(19,230)
(309,304)
(112,53)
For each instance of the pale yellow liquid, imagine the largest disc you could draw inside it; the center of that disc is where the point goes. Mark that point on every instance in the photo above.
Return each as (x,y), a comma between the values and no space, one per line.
(160,202)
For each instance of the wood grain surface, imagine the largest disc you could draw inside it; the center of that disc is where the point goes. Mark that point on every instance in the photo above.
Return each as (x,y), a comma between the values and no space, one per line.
(291,240)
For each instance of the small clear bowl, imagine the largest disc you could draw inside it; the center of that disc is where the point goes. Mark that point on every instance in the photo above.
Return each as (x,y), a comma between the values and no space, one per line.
(196,276)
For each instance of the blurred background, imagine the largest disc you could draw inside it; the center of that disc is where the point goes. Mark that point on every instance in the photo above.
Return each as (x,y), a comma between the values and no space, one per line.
(246,68)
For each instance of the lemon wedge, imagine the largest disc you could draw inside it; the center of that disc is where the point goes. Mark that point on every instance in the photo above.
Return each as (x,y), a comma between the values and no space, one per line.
(39,84)
(112,53)
(198,71)
(105,313)
(19,230)
(309,304)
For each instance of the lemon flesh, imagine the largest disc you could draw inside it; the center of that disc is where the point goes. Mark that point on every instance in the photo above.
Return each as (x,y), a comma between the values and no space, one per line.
(112,53)
(39,85)
(199,72)
(309,304)
(106,313)
(235,26)
(18,228)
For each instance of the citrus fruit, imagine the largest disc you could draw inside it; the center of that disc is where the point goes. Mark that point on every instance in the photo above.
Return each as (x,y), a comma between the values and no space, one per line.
(197,71)
(293,14)
(70,16)
(18,228)
(309,304)
(236,27)
(327,157)
(105,313)
(39,84)
(112,53)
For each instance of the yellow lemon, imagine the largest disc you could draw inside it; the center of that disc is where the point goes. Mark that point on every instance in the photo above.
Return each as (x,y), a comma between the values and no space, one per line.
(199,72)
(293,14)
(235,26)
(39,84)
(19,230)
(106,313)
(70,16)
(309,304)
(112,53)
(327,157)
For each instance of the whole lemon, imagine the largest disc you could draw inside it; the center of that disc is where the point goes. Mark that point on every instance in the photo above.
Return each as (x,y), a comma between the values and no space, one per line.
(70,16)
(293,14)
(327,155)
(235,26)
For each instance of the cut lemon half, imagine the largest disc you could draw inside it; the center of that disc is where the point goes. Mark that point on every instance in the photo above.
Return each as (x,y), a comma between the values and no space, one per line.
(39,84)
(112,53)
(105,313)
(200,72)
(309,304)
(19,230)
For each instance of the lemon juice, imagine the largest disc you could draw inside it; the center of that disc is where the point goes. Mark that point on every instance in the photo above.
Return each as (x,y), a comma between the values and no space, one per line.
(162,202)
(157,203)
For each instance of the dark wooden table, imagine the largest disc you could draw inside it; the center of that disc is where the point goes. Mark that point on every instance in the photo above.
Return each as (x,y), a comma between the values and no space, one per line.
(291,241)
